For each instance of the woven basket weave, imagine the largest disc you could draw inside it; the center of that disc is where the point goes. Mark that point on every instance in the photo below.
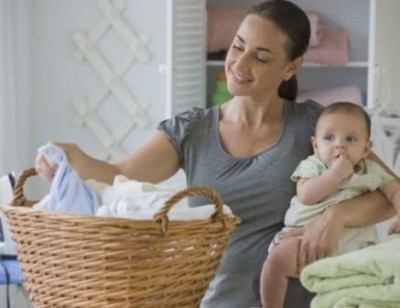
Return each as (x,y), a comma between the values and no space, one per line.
(86,261)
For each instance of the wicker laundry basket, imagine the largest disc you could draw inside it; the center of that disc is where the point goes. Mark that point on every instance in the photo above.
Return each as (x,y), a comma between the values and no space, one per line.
(86,261)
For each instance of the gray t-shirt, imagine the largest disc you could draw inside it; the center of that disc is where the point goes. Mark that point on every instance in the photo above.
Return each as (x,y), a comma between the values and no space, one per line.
(258,189)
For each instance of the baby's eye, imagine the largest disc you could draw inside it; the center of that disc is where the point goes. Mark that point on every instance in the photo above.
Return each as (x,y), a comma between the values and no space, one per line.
(328,137)
(351,139)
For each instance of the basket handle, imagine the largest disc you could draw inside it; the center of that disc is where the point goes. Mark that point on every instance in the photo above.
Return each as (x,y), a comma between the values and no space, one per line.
(19,198)
(161,215)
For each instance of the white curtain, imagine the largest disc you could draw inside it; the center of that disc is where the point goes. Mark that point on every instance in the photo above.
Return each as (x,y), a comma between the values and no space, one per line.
(14,84)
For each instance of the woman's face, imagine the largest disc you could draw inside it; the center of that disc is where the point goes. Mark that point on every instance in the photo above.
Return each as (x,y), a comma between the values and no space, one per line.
(257,62)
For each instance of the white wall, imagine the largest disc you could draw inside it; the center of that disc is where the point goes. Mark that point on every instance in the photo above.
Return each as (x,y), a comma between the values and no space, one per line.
(59,77)
(53,76)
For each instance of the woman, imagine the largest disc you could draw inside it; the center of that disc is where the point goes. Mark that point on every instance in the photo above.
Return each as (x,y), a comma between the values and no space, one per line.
(246,149)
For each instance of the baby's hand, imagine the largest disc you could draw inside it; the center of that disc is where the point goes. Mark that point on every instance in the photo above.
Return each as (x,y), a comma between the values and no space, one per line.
(45,167)
(394,225)
(343,167)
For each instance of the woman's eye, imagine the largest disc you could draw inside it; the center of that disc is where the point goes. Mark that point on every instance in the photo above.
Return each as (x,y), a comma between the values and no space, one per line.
(262,60)
(237,47)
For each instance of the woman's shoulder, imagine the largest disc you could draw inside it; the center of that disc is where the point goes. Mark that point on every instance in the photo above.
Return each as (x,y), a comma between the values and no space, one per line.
(308,106)
(196,113)
(308,110)
(189,119)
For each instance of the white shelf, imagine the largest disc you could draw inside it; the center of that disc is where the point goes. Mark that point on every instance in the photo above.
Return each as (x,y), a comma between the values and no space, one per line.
(215,63)
(349,64)
(308,65)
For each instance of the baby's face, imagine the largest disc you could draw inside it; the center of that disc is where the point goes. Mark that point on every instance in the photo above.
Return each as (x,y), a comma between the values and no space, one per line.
(341,134)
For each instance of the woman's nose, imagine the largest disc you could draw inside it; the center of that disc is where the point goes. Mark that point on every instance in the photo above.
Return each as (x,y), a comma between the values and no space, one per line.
(242,62)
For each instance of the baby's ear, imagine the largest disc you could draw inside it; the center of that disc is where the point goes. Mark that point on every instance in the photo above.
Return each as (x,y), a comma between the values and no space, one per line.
(368,147)
(314,143)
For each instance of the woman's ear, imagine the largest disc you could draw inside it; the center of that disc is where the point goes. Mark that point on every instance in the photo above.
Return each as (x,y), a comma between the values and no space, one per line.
(293,67)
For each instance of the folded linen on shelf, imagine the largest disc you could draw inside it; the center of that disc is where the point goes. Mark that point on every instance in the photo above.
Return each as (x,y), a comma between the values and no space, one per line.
(316,29)
(336,94)
(223,20)
(369,277)
(222,23)
(333,49)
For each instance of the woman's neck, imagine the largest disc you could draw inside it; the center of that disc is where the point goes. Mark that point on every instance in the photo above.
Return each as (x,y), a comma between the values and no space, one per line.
(253,113)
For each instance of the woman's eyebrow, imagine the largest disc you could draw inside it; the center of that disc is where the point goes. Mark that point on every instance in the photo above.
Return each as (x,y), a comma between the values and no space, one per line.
(258,48)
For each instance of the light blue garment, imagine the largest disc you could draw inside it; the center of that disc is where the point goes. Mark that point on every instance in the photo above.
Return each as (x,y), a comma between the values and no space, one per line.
(68,193)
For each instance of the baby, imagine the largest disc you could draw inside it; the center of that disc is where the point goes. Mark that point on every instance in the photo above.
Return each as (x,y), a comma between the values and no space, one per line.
(338,170)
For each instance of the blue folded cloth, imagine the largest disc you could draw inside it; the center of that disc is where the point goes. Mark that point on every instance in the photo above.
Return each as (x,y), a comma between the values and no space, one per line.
(10,271)
(68,192)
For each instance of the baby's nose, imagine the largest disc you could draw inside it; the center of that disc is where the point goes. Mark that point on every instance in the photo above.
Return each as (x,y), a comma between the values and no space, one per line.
(340,143)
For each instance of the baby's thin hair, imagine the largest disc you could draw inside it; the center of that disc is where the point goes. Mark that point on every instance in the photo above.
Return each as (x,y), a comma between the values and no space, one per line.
(347,107)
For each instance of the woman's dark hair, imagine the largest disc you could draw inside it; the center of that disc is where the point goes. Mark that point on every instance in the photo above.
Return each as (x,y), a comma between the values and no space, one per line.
(293,21)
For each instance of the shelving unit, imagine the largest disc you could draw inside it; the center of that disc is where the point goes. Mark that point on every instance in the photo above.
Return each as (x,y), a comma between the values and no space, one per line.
(357,17)
(219,63)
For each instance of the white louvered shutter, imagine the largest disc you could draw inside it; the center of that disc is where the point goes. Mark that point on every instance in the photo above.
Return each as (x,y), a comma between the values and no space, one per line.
(186,55)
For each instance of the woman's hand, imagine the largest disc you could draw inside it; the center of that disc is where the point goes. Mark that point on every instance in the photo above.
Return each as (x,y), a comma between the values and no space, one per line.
(319,238)
(45,167)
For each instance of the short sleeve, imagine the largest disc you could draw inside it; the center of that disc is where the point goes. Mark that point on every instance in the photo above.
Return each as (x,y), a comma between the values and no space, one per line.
(384,177)
(178,128)
(308,168)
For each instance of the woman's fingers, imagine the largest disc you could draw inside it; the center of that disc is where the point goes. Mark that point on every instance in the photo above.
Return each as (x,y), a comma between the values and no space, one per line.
(45,167)
(308,253)
(319,240)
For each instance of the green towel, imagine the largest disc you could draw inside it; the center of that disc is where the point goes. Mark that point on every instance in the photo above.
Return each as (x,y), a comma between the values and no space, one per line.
(365,278)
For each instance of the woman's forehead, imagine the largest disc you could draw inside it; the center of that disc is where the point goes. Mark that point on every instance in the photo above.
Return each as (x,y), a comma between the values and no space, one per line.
(259,30)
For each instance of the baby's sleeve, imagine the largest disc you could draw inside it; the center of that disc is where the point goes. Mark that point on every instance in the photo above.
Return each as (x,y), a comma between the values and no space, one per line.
(384,177)
(307,168)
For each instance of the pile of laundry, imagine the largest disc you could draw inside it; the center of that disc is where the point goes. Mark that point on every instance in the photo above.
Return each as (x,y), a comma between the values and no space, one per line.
(125,198)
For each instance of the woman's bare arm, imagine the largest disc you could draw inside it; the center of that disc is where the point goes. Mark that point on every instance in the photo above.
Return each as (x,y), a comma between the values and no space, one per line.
(155,161)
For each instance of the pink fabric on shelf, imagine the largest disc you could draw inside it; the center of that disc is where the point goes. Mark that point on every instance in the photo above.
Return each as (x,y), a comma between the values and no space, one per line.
(337,94)
(333,49)
(222,23)
(223,20)
(316,33)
